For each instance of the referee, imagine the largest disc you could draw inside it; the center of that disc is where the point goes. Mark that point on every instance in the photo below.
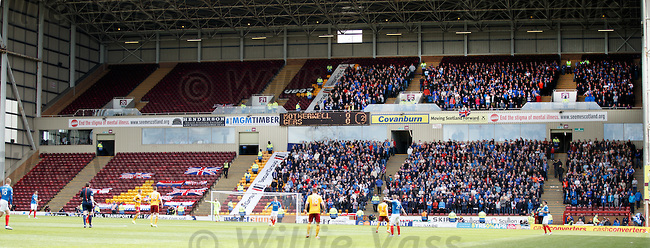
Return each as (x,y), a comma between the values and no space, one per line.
(87,202)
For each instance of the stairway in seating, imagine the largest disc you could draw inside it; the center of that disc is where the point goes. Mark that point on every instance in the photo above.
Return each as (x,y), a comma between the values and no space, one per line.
(431,61)
(284,77)
(149,83)
(237,168)
(565,82)
(392,166)
(553,193)
(72,93)
(74,186)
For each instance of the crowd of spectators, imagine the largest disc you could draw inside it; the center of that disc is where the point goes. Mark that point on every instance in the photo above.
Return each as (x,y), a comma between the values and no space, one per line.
(601,174)
(488,85)
(469,177)
(610,83)
(345,172)
(363,85)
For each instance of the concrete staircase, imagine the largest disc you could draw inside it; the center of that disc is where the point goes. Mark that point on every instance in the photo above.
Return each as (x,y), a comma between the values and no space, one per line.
(237,169)
(149,83)
(392,166)
(431,61)
(565,82)
(284,77)
(71,94)
(394,163)
(553,191)
(85,175)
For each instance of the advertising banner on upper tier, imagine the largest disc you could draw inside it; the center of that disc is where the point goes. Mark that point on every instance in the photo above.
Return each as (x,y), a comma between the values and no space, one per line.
(126,122)
(399,119)
(511,117)
(262,120)
(456,118)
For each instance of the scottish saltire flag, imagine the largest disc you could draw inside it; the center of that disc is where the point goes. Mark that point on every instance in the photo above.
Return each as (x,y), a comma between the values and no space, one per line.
(195,183)
(464,112)
(170,183)
(177,191)
(137,175)
(200,171)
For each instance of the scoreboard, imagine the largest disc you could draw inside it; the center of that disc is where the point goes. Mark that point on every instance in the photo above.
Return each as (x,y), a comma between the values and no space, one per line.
(354,118)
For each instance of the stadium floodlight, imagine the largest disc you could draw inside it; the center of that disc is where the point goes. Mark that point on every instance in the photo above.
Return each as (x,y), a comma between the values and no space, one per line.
(326,36)
(259,38)
(463,32)
(131,42)
(193,40)
(606,30)
(535,31)
(394,34)
(255,204)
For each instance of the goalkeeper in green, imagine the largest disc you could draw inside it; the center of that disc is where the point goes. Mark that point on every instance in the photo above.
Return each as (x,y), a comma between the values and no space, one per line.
(216,208)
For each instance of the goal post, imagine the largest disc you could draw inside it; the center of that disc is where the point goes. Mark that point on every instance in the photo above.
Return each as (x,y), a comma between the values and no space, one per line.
(255,205)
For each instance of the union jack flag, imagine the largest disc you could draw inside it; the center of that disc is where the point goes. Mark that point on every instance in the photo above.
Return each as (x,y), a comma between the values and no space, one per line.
(200,171)
(464,112)
(137,175)
(177,191)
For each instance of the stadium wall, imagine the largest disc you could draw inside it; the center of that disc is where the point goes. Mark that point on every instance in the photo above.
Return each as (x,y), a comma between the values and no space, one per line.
(22,35)
(434,42)
(129,139)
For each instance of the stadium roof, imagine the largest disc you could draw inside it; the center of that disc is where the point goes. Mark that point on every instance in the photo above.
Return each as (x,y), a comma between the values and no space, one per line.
(120,20)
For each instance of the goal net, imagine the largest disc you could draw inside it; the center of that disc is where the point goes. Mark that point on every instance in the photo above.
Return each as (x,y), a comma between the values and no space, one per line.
(230,205)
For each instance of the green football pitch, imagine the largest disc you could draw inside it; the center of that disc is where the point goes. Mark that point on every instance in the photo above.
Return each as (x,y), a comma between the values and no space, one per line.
(69,232)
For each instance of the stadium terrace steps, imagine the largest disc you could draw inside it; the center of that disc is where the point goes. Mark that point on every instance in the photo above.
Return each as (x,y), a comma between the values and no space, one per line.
(75,185)
(415,83)
(284,77)
(392,166)
(73,93)
(565,82)
(553,193)
(150,82)
(547,98)
(237,169)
